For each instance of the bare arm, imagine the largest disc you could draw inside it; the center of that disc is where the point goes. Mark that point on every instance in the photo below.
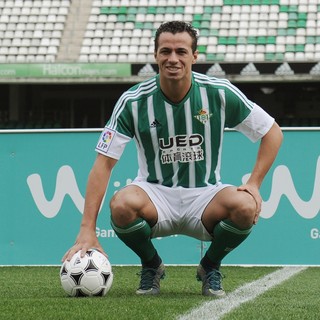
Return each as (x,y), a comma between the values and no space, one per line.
(96,187)
(267,153)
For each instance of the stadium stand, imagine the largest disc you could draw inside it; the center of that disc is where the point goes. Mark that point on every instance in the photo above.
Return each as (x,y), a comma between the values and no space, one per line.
(122,30)
(229,30)
(31,31)
(237,39)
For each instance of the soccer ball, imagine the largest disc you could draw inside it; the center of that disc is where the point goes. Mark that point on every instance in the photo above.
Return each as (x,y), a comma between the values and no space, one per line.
(88,276)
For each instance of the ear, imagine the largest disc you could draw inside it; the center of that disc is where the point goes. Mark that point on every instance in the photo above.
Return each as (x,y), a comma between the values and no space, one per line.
(195,57)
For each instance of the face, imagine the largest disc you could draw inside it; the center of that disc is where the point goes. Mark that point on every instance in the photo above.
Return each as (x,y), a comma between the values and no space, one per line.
(174,56)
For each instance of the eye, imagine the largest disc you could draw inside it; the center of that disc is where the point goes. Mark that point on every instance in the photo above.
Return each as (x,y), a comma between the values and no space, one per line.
(182,51)
(165,51)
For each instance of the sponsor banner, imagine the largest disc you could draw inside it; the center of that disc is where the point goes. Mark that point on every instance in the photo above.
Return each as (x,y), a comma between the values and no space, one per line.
(42,188)
(65,70)
(223,69)
(277,70)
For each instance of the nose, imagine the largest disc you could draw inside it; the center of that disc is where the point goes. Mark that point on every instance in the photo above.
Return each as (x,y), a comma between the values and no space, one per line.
(173,58)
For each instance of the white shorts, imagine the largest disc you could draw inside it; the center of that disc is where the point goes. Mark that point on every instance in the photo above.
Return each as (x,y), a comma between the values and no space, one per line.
(180,209)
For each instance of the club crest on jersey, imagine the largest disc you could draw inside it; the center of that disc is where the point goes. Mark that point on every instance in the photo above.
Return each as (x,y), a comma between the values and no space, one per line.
(203,116)
(105,139)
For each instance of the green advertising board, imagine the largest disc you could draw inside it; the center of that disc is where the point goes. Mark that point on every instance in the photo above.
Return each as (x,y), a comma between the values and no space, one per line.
(65,70)
(42,187)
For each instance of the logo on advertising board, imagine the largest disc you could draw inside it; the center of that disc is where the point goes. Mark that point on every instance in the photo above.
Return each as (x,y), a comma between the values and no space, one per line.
(51,199)
(282,185)
(105,140)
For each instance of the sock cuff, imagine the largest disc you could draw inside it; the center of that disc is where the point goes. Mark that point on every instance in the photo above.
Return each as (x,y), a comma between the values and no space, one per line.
(229,226)
(131,227)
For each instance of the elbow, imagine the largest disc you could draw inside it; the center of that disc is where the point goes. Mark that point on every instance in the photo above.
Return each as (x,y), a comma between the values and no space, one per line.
(279,133)
(274,136)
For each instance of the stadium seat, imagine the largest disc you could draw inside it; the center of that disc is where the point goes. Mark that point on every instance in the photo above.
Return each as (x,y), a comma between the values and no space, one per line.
(292,25)
(30,26)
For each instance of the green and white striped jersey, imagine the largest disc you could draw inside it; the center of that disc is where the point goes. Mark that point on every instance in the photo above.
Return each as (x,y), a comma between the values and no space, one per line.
(180,144)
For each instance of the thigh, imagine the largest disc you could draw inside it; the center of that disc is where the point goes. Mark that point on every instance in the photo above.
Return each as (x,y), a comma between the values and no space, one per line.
(225,205)
(130,203)
(167,203)
(194,204)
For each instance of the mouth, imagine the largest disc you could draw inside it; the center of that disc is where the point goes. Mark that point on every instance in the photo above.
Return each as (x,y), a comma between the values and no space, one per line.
(172,69)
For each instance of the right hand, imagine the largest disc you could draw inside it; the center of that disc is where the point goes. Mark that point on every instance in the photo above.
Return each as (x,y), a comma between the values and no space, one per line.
(86,239)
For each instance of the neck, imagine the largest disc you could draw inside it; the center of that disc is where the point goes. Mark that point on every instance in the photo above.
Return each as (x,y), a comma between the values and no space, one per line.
(175,90)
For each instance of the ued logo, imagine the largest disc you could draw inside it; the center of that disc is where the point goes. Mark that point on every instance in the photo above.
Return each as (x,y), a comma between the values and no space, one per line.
(181,141)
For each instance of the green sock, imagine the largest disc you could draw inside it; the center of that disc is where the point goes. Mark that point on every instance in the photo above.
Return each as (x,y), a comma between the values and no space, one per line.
(136,236)
(226,237)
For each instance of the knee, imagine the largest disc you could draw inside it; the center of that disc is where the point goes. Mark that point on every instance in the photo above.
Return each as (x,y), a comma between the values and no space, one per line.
(244,212)
(120,210)
(117,203)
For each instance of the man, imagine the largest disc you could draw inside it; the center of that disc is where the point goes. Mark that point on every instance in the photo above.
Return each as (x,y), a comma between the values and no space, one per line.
(177,119)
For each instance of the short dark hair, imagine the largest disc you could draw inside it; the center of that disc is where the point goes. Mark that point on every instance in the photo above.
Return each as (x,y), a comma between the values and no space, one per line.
(177,27)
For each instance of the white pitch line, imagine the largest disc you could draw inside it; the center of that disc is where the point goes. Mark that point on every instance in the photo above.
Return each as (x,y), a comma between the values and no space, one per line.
(214,309)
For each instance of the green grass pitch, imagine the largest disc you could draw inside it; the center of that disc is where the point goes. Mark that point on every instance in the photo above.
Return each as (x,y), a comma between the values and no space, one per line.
(35,293)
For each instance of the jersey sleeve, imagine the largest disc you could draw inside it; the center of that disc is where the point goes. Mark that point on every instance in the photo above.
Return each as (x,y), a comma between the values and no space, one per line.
(112,143)
(117,132)
(256,124)
(245,116)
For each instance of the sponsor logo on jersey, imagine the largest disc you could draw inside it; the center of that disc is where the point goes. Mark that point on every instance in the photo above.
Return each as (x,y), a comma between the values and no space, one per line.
(105,140)
(181,148)
(203,116)
(155,124)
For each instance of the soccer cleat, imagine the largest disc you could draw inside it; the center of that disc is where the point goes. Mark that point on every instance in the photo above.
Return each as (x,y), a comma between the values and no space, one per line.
(150,280)
(211,282)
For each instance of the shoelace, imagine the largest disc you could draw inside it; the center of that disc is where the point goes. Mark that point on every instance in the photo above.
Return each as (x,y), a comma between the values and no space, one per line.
(147,277)
(214,279)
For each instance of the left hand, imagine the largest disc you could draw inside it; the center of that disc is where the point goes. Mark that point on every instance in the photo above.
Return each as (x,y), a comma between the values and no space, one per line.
(254,191)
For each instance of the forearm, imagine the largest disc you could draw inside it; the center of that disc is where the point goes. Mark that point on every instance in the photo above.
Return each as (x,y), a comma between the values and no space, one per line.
(267,153)
(96,187)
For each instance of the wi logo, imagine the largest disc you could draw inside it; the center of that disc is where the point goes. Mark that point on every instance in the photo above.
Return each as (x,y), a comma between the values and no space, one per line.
(65,184)
(282,185)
